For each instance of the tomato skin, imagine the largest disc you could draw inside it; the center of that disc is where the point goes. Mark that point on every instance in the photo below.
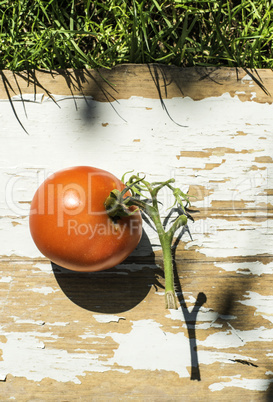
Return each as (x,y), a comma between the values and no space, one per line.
(70,226)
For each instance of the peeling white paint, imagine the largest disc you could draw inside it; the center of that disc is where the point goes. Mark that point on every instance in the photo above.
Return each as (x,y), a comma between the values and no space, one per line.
(91,335)
(232,168)
(148,347)
(57,324)
(46,290)
(234,338)
(262,304)
(44,267)
(204,314)
(6,279)
(74,134)
(212,356)
(247,268)
(145,347)
(246,78)
(224,240)
(24,355)
(28,321)
(245,383)
(106,318)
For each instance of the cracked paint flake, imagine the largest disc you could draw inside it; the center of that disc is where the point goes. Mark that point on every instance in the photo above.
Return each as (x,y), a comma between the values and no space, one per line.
(247,268)
(246,383)
(234,338)
(106,318)
(28,321)
(45,267)
(45,290)
(6,279)
(261,303)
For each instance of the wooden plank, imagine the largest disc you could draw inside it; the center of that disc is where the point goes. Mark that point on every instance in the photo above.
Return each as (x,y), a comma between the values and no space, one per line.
(107,336)
(150,81)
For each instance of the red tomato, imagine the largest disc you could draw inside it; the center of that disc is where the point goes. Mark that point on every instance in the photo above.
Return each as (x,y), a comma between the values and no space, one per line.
(70,226)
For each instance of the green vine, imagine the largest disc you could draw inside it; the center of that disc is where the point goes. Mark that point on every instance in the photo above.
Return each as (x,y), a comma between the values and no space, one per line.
(118,205)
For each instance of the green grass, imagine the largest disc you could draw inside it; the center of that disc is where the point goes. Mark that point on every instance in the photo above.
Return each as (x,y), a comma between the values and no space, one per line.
(52,34)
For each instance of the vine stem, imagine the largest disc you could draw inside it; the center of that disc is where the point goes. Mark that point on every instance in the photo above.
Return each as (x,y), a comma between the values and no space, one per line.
(118,205)
(170,299)
(165,239)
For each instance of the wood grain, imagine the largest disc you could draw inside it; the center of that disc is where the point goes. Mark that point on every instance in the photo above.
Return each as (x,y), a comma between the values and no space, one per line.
(107,336)
(150,81)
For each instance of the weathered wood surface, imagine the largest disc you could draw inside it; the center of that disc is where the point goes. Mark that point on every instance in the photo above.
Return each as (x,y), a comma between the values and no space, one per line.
(150,81)
(107,336)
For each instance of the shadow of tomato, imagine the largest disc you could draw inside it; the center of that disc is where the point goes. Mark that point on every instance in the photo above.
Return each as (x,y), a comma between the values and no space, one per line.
(114,290)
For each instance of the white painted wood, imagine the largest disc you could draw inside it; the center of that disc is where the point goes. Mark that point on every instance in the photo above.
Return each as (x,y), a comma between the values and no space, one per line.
(224,155)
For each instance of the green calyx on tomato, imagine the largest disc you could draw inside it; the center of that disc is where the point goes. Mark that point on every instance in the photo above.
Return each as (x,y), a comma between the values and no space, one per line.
(118,206)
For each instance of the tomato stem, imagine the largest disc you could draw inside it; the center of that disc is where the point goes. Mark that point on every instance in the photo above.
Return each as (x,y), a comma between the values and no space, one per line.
(170,300)
(118,205)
